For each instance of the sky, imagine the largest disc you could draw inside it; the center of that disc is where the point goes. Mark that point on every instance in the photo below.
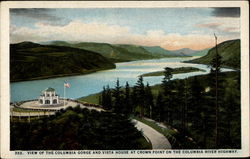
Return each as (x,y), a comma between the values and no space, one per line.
(170,28)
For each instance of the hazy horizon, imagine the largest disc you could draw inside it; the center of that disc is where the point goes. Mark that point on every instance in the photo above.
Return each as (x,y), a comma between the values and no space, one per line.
(169,28)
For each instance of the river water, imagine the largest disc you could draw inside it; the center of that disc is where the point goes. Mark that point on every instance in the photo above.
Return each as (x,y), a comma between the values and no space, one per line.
(83,85)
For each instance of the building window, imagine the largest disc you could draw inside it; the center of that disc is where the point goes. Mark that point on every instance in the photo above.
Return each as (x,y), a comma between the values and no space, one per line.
(54,101)
(47,102)
(41,101)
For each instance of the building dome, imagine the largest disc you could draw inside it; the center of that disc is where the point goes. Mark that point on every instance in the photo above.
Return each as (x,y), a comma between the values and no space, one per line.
(50,89)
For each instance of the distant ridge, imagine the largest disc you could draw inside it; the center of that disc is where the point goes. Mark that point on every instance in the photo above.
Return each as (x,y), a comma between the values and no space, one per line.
(157,50)
(120,52)
(190,52)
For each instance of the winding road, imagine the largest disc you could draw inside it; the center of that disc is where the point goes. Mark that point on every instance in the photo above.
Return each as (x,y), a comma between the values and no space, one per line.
(157,140)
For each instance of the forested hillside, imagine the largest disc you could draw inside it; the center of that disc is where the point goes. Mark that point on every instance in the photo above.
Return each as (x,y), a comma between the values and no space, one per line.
(187,105)
(77,129)
(33,61)
(229,52)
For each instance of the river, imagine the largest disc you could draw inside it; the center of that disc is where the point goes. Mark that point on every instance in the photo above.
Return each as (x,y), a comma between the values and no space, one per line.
(83,85)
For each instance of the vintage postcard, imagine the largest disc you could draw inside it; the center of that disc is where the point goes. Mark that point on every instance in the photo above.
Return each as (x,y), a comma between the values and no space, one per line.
(124,79)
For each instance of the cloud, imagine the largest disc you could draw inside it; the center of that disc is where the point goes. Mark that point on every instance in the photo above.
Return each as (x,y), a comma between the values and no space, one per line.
(221,25)
(231,29)
(74,31)
(226,12)
(209,25)
(114,34)
(41,14)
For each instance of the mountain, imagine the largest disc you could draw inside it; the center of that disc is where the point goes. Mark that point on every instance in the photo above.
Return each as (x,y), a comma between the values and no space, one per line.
(228,50)
(119,52)
(190,52)
(157,50)
(33,61)
(183,52)
(201,52)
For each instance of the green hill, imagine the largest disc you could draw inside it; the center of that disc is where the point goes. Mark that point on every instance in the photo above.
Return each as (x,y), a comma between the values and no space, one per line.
(157,50)
(183,52)
(190,52)
(228,50)
(118,52)
(34,61)
(201,52)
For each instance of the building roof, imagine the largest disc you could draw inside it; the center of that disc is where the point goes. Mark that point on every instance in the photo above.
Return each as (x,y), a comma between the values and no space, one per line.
(49,89)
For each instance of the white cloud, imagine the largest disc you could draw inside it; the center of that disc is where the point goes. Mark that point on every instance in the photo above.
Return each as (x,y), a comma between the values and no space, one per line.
(100,32)
(224,25)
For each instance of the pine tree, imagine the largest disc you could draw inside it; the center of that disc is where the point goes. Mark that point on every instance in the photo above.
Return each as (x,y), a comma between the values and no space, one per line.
(187,96)
(179,107)
(134,101)
(117,94)
(140,95)
(199,112)
(103,98)
(108,98)
(230,116)
(167,87)
(149,103)
(128,101)
(215,70)
(158,112)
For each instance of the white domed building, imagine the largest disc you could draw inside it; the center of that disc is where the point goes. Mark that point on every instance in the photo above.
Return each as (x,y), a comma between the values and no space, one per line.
(49,97)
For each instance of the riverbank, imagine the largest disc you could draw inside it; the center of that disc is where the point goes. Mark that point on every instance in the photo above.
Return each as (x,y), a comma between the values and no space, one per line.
(174,71)
(60,75)
(86,71)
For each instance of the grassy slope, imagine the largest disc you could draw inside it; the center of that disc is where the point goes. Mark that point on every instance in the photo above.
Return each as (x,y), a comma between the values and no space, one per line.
(175,71)
(31,61)
(229,51)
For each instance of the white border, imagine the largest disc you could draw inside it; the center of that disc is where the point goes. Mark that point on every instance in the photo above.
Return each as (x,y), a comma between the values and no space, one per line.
(5,86)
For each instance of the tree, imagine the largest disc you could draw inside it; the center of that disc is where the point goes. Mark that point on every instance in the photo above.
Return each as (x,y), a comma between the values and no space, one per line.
(167,75)
(149,103)
(103,98)
(187,95)
(199,112)
(127,100)
(167,87)
(215,70)
(118,98)
(158,112)
(106,98)
(109,98)
(139,93)
(230,134)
